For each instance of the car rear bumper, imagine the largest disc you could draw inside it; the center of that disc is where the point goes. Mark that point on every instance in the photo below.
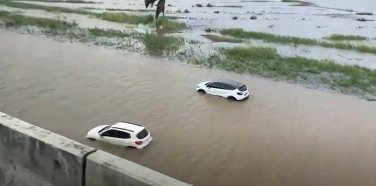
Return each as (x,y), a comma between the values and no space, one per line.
(144,144)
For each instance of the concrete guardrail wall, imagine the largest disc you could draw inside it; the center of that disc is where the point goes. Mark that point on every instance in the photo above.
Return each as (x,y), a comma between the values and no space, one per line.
(32,156)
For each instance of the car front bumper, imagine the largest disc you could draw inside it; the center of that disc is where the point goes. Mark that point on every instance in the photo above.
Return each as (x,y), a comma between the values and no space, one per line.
(244,98)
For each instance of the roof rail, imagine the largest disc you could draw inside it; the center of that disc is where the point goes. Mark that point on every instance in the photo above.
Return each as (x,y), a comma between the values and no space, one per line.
(122,129)
(131,123)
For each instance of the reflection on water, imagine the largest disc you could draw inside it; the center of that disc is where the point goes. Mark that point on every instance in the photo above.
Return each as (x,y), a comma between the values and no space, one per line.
(284,135)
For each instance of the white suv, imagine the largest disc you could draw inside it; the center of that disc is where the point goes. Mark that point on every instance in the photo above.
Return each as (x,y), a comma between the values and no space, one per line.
(122,133)
(224,88)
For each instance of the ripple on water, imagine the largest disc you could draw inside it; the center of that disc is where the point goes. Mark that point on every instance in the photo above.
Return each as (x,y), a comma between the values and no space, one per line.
(283,135)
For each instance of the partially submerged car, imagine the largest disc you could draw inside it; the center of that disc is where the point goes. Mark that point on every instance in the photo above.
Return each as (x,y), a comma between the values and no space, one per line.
(122,133)
(224,88)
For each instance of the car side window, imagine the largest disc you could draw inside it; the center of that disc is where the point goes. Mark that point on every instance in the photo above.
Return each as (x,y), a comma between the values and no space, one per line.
(227,87)
(123,135)
(110,133)
(214,85)
(220,85)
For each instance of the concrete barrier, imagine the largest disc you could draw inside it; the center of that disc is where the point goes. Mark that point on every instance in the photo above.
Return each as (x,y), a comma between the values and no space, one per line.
(32,156)
(104,169)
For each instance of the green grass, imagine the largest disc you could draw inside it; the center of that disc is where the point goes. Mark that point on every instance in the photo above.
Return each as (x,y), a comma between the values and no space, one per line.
(155,45)
(299,3)
(266,62)
(167,25)
(64,1)
(240,33)
(215,38)
(108,33)
(125,18)
(15,4)
(120,9)
(339,37)
(19,20)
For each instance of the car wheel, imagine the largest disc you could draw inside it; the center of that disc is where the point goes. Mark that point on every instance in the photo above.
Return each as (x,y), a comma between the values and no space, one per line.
(231,98)
(201,91)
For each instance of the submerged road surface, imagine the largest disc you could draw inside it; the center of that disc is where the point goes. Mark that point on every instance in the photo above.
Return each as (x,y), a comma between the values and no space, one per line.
(284,135)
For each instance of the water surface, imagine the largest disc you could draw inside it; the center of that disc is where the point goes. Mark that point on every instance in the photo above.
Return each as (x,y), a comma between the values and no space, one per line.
(284,135)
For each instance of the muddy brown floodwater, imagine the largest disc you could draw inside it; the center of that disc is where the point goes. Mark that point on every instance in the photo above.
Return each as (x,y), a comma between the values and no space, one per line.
(284,135)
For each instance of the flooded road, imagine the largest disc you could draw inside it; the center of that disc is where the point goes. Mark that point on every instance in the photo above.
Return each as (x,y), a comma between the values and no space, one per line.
(284,135)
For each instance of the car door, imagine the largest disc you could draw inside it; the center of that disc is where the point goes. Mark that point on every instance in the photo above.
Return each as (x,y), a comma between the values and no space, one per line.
(223,89)
(124,138)
(110,136)
(214,89)
(218,89)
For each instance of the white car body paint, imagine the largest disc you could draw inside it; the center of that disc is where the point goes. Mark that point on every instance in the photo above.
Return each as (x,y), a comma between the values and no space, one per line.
(98,133)
(223,92)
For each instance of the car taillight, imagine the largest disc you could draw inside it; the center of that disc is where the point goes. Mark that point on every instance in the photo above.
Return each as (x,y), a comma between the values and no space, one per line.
(138,142)
(239,93)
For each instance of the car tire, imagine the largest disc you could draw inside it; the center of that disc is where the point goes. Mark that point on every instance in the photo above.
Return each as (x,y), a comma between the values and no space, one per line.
(201,91)
(231,98)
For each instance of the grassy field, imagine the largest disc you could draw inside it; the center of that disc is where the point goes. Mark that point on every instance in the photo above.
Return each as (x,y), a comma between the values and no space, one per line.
(65,1)
(215,38)
(164,24)
(240,33)
(266,62)
(155,44)
(339,37)
(19,20)
(260,61)
(22,5)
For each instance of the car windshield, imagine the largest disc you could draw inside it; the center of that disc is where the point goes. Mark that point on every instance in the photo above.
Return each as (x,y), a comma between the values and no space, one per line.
(243,88)
(104,129)
(142,134)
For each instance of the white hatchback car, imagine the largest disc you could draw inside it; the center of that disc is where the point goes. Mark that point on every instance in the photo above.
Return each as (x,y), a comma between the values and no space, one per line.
(122,133)
(224,88)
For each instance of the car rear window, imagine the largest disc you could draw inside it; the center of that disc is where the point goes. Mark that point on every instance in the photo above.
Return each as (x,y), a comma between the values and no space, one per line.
(142,134)
(243,88)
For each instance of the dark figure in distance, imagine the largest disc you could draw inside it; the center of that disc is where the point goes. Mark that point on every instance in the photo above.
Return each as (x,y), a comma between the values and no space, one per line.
(160,6)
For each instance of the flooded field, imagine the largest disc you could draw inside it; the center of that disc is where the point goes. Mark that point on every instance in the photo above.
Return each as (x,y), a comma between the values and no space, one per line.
(284,135)
(314,19)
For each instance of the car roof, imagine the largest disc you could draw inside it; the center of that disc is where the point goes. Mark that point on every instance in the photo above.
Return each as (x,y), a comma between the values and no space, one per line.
(234,84)
(127,126)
